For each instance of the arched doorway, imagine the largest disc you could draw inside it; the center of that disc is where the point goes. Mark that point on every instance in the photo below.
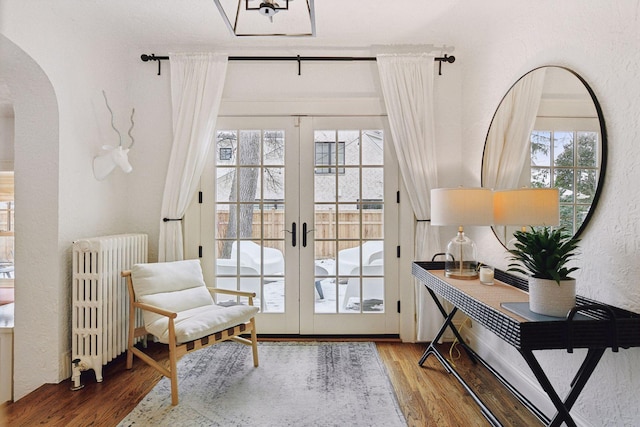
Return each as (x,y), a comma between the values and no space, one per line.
(40,332)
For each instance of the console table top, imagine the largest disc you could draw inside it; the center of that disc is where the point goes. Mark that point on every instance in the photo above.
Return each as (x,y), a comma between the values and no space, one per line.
(599,326)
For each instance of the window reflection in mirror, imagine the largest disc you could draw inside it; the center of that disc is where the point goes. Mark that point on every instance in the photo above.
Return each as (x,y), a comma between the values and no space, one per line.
(548,131)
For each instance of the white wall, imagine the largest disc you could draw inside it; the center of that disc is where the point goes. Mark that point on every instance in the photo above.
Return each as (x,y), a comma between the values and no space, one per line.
(37,324)
(597,41)
(56,136)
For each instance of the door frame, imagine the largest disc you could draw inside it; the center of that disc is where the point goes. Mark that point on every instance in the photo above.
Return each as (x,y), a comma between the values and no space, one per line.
(386,323)
(324,107)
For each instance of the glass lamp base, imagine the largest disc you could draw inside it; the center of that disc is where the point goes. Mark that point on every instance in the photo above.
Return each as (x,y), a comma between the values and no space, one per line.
(465,274)
(461,262)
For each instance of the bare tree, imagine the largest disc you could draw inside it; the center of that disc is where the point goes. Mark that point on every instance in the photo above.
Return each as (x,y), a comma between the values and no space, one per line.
(244,184)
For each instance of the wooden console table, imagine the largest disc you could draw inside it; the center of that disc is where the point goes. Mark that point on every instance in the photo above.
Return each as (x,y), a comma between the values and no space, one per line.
(591,325)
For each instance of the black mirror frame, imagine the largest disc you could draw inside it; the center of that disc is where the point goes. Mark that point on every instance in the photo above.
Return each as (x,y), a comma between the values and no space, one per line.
(603,143)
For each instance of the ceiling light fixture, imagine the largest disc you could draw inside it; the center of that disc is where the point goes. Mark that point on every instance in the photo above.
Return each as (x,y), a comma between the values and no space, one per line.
(269,8)
(246,17)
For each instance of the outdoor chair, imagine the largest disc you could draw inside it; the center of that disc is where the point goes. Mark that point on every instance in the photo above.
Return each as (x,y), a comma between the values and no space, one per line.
(320,271)
(226,278)
(348,259)
(372,288)
(179,310)
(269,261)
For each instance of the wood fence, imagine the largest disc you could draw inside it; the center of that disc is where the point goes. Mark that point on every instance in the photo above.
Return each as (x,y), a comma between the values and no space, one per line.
(328,228)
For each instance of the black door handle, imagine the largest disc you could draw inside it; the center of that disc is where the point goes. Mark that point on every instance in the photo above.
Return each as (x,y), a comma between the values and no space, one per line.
(293,234)
(304,234)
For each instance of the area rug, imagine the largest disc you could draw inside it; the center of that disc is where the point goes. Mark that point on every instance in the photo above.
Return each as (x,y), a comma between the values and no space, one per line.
(296,384)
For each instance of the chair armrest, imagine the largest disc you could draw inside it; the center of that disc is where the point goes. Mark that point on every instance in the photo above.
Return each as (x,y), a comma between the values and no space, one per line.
(157,310)
(232,292)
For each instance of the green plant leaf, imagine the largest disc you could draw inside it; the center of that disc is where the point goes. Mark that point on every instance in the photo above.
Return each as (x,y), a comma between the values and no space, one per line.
(543,253)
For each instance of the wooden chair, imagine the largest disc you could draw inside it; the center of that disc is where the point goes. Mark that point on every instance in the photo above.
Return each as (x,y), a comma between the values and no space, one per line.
(180,311)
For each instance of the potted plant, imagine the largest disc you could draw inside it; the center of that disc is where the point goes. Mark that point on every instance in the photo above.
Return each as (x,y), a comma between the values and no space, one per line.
(543,254)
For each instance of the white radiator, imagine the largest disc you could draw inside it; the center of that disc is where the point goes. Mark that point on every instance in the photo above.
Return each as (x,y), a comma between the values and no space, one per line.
(100,300)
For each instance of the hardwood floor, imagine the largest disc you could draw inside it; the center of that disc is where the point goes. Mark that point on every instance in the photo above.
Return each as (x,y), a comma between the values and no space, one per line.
(428,395)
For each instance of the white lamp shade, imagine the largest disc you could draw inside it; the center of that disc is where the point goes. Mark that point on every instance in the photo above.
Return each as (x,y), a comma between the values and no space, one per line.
(526,206)
(461,206)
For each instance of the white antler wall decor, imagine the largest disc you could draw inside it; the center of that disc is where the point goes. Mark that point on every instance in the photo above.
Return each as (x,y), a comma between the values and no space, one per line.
(112,156)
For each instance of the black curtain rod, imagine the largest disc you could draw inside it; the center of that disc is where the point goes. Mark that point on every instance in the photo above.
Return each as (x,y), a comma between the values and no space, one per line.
(299,59)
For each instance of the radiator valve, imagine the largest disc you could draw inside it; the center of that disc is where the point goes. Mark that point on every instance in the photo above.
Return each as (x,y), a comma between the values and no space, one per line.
(77,367)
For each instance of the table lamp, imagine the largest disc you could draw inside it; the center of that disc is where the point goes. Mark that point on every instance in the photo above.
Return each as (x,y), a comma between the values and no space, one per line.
(461,206)
(524,207)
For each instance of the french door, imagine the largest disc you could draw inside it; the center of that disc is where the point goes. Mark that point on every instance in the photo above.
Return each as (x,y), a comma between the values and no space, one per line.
(303,212)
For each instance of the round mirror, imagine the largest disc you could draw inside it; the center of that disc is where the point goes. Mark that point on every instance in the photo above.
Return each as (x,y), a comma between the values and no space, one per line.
(548,132)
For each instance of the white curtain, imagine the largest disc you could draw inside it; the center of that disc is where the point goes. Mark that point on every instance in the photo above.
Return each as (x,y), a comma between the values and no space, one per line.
(506,150)
(197,81)
(407,87)
(507,147)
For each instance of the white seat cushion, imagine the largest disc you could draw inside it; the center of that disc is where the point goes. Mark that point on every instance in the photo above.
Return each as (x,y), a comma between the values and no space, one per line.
(174,286)
(179,287)
(202,321)
(160,277)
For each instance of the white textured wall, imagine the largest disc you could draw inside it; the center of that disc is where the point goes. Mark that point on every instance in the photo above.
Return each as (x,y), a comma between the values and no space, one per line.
(600,43)
(38,323)
(60,123)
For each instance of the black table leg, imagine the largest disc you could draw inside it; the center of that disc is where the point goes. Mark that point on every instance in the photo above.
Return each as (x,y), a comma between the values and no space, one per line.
(580,380)
(447,323)
(431,349)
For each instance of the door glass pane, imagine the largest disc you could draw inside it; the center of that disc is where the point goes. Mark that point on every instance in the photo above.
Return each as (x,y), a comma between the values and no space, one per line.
(226,145)
(372,149)
(249,147)
(372,223)
(225,181)
(225,217)
(326,225)
(372,186)
(325,186)
(326,291)
(250,216)
(349,185)
(351,141)
(348,220)
(348,229)
(274,147)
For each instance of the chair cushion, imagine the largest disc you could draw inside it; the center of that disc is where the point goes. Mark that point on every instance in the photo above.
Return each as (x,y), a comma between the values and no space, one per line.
(179,287)
(202,321)
(175,286)
(173,276)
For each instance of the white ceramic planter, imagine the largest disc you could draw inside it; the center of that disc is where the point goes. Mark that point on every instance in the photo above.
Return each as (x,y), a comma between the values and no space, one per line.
(548,298)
